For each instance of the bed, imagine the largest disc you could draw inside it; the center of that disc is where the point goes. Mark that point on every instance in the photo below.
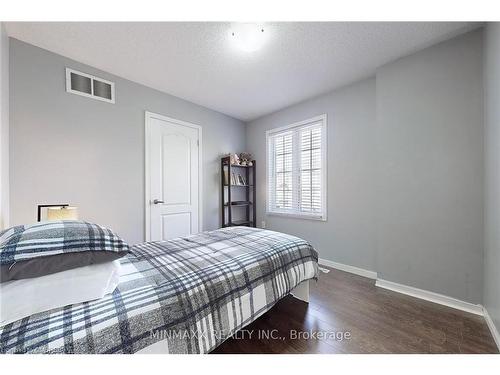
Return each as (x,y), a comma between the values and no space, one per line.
(185,295)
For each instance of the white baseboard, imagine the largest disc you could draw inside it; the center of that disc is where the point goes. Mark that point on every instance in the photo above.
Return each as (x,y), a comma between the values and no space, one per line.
(430,296)
(348,268)
(492,327)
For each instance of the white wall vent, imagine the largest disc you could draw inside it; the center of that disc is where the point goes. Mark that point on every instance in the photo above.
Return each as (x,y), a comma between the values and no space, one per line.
(90,86)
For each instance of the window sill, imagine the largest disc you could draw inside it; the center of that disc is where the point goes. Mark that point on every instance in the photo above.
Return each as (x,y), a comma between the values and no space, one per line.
(297,216)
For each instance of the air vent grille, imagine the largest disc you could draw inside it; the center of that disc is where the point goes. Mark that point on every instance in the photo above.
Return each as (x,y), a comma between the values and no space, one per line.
(84,84)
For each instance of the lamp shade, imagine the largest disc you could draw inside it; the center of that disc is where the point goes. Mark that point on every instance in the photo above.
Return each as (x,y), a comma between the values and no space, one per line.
(62,213)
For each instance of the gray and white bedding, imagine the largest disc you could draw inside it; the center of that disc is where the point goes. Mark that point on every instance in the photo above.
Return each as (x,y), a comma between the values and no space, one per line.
(33,250)
(189,293)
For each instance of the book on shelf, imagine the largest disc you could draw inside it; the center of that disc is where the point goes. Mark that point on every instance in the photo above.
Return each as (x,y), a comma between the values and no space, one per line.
(241,180)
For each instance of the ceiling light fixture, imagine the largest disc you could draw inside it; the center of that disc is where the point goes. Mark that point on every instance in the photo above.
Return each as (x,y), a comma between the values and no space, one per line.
(248,37)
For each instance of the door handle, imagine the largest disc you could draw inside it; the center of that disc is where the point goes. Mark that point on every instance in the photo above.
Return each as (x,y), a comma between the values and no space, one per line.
(158,201)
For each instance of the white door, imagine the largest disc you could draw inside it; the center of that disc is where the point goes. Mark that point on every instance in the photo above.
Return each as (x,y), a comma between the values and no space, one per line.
(172,178)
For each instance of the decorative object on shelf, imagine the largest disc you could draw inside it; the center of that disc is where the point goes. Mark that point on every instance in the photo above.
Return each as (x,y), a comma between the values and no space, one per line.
(58,212)
(246,159)
(234,159)
(241,185)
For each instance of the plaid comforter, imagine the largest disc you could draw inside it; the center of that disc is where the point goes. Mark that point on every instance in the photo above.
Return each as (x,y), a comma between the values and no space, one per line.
(189,293)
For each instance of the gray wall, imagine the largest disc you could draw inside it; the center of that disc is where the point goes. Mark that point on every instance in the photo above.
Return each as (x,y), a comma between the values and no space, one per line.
(405,172)
(349,234)
(4,127)
(430,169)
(492,156)
(68,148)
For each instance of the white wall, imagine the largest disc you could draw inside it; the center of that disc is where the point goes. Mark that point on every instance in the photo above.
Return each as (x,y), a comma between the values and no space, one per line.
(4,128)
(68,148)
(349,234)
(492,162)
(405,172)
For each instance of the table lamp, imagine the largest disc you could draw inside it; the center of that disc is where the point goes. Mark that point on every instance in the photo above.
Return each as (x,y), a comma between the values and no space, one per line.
(62,213)
(58,212)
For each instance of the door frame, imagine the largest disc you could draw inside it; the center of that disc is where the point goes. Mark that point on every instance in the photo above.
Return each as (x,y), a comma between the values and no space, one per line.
(148,116)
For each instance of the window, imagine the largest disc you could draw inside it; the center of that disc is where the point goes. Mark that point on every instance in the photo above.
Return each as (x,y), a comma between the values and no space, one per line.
(296,169)
(87,85)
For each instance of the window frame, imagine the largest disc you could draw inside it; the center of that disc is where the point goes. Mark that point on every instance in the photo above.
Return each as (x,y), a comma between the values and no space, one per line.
(324,168)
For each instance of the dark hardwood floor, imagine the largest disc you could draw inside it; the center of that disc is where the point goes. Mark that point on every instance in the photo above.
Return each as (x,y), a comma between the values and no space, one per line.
(378,320)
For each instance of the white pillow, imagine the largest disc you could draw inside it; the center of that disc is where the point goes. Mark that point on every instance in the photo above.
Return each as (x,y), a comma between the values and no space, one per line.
(21,298)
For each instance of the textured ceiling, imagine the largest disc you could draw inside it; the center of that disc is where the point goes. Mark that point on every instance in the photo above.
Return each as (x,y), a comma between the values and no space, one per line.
(196,61)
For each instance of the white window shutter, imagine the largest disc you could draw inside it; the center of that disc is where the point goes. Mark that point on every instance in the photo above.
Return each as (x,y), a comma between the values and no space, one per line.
(297,169)
(310,170)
